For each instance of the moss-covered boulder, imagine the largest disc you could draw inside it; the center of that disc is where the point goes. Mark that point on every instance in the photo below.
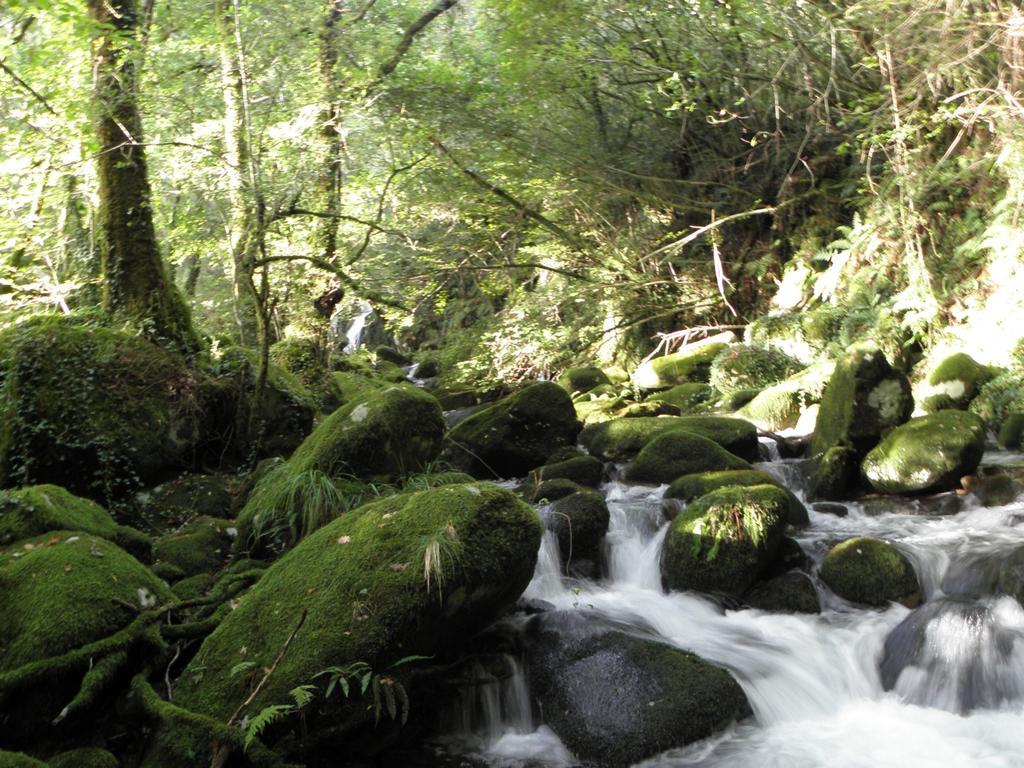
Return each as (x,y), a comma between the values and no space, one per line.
(410,574)
(33,511)
(999,398)
(202,546)
(692,398)
(580,521)
(869,571)
(85,757)
(646,409)
(392,355)
(954,382)
(677,453)
(781,406)
(726,540)
(736,400)
(170,505)
(552,490)
(515,435)
(585,470)
(865,399)
(616,699)
(690,364)
(693,486)
(1011,431)
(92,409)
(930,453)
(582,379)
(744,366)
(307,359)
(382,436)
(65,589)
(622,439)
(791,592)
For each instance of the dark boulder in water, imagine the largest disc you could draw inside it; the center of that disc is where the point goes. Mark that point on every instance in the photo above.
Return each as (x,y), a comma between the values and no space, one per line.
(616,698)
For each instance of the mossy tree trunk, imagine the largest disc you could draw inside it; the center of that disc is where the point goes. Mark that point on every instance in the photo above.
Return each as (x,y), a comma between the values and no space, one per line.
(328,185)
(135,281)
(244,235)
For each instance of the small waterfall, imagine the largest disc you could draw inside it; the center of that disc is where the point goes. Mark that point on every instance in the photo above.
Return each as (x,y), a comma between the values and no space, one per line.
(494,702)
(768,448)
(354,332)
(547,582)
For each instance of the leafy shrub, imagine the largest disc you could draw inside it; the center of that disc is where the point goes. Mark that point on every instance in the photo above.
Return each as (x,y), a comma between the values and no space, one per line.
(744,366)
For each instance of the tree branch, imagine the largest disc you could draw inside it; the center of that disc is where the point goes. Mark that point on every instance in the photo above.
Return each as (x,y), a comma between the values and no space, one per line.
(372,296)
(406,42)
(38,97)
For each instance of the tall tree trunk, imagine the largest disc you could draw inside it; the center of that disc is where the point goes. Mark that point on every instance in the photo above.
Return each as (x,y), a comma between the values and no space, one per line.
(244,233)
(135,281)
(328,185)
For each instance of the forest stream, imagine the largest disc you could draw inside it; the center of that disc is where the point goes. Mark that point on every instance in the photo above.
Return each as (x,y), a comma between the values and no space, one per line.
(942,686)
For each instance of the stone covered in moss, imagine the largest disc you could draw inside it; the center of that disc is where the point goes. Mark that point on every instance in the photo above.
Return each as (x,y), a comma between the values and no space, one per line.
(427,480)
(999,398)
(865,400)
(616,699)
(515,435)
(736,400)
(585,470)
(170,505)
(781,405)
(202,546)
(691,364)
(690,487)
(622,439)
(391,355)
(580,520)
(791,592)
(869,571)
(744,366)
(582,379)
(726,540)
(92,586)
(646,409)
(551,490)
(382,436)
(94,410)
(688,398)
(835,472)
(86,757)
(927,454)
(33,511)
(954,382)
(19,760)
(410,574)
(677,453)
(1011,431)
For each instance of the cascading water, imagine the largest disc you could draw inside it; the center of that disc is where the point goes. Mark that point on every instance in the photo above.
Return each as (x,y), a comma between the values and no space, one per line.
(354,332)
(850,687)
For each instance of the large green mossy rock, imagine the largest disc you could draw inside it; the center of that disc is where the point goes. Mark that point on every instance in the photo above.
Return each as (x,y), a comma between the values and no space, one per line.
(410,574)
(673,454)
(804,334)
(744,366)
(585,470)
(384,435)
(580,521)
(616,699)
(170,505)
(930,453)
(781,405)
(91,409)
(726,540)
(201,546)
(622,439)
(582,379)
(691,364)
(865,399)
(515,435)
(29,512)
(869,571)
(65,589)
(690,487)
(954,383)
(690,398)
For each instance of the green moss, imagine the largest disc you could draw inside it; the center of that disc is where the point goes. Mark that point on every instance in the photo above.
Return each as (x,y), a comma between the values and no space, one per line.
(688,398)
(86,757)
(930,453)
(999,397)
(834,472)
(92,409)
(1011,430)
(382,436)
(725,541)
(736,400)
(690,487)
(410,574)
(867,570)
(170,505)
(434,480)
(622,439)
(19,760)
(781,405)
(585,470)
(302,357)
(558,488)
(677,453)
(202,546)
(87,581)
(515,435)
(582,379)
(693,364)
(743,366)
(646,409)
(33,511)
(580,520)
(954,382)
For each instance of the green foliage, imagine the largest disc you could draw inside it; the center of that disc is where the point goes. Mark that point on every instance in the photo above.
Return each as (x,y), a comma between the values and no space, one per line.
(1000,397)
(747,367)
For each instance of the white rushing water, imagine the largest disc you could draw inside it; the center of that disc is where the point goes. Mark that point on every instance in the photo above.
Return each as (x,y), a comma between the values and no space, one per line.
(354,332)
(816,682)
